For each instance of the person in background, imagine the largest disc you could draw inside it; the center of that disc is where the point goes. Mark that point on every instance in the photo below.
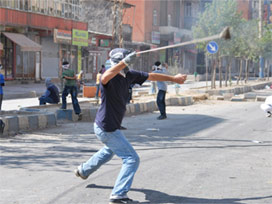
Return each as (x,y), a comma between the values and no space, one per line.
(79,80)
(130,93)
(195,74)
(2,83)
(162,87)
(98,76)
(70,87)
(51,94)
(267,106)
(153,88)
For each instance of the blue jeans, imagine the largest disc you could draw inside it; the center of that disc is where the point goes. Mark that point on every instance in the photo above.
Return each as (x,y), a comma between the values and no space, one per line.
(161,102)
(43,100)
(115,143)
(73,91)
(152,87)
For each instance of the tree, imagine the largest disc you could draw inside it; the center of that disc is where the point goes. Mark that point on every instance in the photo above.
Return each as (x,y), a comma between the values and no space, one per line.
(265,45)
(213,20)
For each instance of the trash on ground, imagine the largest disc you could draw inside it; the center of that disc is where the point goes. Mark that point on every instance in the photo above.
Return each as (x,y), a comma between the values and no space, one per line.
(153,129)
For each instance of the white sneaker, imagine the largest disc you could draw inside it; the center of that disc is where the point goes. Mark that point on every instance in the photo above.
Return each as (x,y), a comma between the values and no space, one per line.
(78,173)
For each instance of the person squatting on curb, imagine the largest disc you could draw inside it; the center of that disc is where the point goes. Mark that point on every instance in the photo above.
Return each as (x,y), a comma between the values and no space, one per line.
(70,87)
(51,94)
(115,84)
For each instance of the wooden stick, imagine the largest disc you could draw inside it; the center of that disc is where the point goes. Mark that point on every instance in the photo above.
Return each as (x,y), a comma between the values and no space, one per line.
(225,34)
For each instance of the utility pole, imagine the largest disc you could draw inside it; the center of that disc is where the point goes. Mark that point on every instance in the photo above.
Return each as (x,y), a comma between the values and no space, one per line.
(121,14)
(117,27)
(114,14)
(261,69)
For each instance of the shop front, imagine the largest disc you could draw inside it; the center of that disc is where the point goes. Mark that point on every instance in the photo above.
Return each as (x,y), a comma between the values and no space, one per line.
(67,51)
(20,57)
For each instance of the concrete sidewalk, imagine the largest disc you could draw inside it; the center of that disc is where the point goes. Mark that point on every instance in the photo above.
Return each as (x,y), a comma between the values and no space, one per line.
(13,90)
(38,117)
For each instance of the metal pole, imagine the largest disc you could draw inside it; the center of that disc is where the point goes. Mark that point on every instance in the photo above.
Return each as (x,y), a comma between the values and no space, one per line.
(261,69)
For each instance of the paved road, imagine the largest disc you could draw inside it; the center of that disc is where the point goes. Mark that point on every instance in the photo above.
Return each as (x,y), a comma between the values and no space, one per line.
(210,152)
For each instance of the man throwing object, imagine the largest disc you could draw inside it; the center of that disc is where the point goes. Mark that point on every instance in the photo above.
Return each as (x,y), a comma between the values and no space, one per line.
(115,84)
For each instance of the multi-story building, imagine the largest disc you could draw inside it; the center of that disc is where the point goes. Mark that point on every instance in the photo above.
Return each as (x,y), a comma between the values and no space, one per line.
(38,35)
(250,9)
(100,16)
(166,22)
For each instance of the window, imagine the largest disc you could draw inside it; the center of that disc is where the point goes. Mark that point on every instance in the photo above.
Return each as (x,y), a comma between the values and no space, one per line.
(154,17)
(188,9)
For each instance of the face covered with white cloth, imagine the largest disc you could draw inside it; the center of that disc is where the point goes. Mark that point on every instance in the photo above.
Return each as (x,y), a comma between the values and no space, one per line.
(117,55)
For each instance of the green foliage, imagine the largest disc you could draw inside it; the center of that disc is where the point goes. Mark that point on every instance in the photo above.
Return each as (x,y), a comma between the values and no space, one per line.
(214,19)
(245,41)
(265,42)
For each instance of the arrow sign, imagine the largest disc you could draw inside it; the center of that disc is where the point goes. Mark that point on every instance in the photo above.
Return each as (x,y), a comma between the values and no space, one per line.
(212,47)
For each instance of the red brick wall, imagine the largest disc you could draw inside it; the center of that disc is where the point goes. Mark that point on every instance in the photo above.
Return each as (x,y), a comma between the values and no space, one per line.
(143,19)
(244,7)
(138,33)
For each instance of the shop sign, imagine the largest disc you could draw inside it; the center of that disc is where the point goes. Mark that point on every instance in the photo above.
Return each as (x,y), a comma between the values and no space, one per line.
(104,43)
(79,58)
(80,38)
(155,37)
(62,36)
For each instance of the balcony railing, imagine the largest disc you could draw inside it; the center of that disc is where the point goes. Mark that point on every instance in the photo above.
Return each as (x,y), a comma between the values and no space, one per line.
(57,8)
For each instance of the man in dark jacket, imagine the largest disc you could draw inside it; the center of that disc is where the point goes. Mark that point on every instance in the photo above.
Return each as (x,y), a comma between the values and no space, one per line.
(51,94)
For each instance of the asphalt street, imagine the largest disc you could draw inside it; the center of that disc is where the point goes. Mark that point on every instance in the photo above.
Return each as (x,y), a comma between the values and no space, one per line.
(210,152)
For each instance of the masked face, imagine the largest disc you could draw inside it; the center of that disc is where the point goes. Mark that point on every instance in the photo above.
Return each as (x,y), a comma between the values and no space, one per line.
(65,66)
(116,55)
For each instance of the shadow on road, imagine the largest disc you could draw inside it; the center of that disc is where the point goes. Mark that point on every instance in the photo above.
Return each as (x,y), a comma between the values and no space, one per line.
(49,148)
(153,196)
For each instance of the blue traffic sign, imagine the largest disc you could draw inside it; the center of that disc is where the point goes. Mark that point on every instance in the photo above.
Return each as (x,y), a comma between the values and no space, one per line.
(212,47)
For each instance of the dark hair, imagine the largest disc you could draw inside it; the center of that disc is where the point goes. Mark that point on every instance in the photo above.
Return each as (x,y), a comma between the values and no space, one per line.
(65,63)
(158,63)
(103,66)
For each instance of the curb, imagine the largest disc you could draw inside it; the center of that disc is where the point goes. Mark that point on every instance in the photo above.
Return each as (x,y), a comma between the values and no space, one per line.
(26,120)
(238,90)
(132,109)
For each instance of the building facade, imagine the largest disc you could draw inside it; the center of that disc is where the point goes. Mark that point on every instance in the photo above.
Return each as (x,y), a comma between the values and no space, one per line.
(166,22)
(52,28)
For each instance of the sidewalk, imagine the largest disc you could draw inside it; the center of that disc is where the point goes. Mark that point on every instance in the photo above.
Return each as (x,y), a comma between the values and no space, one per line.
(39,117)
(18,90)
(17,95)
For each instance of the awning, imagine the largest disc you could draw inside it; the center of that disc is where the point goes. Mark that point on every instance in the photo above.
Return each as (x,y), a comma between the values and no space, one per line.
(24,42)
(1,46)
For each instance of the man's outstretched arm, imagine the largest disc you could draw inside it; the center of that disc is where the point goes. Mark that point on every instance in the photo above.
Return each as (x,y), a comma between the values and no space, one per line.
(179,78)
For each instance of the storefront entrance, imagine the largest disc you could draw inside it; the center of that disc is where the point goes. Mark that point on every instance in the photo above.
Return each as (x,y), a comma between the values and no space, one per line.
(19,56)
